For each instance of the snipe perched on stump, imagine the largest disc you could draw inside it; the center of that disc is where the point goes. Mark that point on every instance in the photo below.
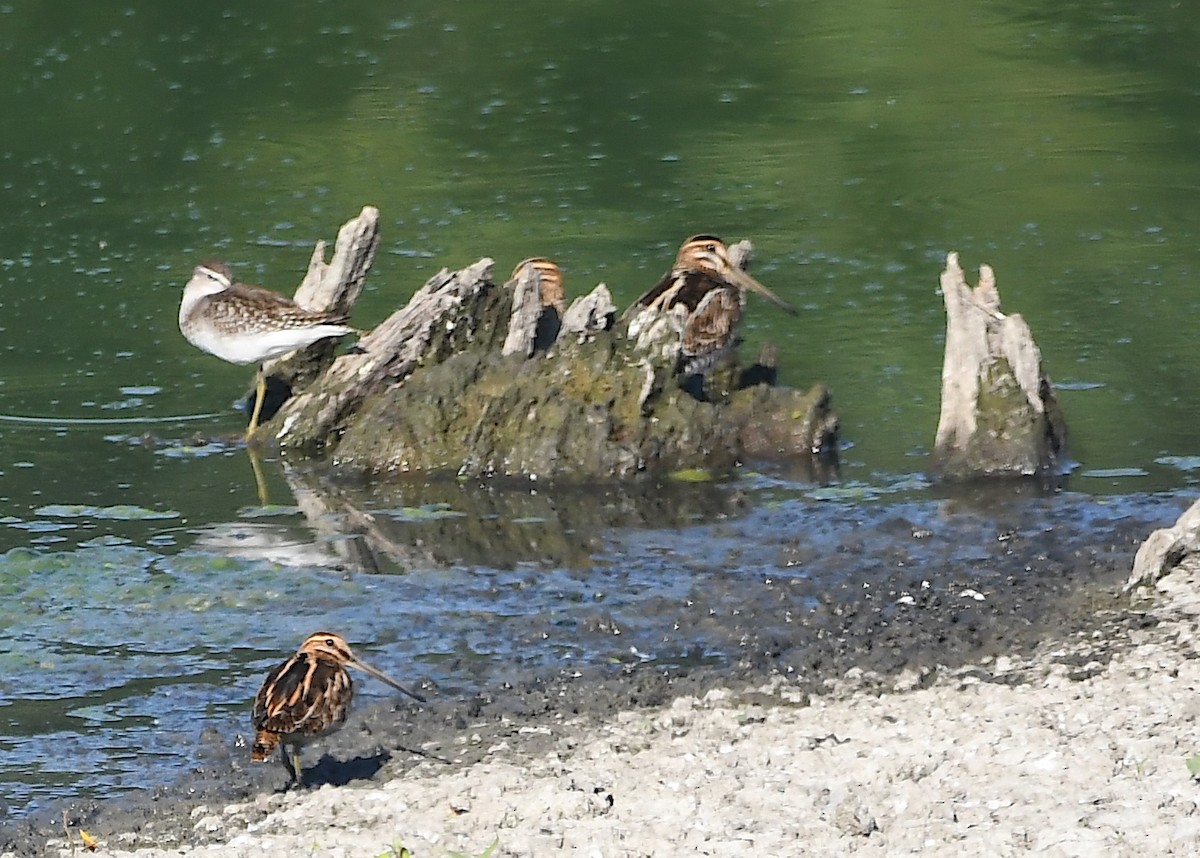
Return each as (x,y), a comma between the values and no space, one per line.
(550,280)
(711,291)
(553,302)
(248,324)
(308,696)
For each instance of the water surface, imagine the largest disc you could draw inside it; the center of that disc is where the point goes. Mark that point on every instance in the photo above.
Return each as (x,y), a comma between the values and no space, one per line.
(147,592)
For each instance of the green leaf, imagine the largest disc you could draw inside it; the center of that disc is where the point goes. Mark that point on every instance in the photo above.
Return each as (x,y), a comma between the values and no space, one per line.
(692,475)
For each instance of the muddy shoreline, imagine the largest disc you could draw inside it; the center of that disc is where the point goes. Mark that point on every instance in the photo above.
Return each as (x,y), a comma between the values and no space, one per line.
(918,603)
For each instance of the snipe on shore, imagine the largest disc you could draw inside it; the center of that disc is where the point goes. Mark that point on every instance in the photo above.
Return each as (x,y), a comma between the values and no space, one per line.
(307,697)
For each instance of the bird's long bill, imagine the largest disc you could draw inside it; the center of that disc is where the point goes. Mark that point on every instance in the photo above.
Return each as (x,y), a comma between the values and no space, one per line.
(380,675)
(745,281)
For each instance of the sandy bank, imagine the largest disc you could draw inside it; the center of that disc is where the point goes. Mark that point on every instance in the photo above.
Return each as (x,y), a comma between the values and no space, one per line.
(1080,750)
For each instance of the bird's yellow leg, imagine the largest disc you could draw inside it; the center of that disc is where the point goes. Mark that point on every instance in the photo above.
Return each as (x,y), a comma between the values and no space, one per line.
(260,392)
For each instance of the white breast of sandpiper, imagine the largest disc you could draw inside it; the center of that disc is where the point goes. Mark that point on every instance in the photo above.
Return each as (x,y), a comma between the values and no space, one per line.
(256,346)
(243,332)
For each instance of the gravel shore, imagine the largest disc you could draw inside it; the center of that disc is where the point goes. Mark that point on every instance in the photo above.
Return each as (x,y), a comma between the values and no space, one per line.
(1079,749)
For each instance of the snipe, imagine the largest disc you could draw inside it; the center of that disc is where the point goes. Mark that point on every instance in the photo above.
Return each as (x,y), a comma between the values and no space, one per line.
(308,696)
(550,280)
(711,293)
(553,295)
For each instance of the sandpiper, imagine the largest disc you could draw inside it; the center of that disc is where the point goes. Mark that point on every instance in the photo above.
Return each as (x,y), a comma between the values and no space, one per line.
(306,697)
(246,324)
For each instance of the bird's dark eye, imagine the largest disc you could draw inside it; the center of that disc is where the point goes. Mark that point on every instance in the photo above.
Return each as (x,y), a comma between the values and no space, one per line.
(328,641)
(711,248)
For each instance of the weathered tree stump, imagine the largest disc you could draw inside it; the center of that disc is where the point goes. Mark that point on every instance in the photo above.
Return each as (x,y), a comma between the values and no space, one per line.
(430,328)
(336,286)
(999,414)
(454,382)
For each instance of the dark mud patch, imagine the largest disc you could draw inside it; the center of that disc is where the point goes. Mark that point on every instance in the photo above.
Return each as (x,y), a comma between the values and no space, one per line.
(838,599)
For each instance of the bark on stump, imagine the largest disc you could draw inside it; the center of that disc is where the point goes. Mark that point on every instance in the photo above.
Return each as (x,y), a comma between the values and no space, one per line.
(999,414)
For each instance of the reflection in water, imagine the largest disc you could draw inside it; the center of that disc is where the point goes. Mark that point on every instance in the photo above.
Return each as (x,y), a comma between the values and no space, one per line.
(260,482)
(408,523)
(417,524)
(282,544)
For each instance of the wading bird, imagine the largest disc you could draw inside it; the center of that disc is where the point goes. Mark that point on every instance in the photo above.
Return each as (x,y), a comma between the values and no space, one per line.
(307,697)
(248,324)
(711,291)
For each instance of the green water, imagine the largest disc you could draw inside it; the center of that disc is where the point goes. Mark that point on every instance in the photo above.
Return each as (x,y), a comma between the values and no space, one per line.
(855,144)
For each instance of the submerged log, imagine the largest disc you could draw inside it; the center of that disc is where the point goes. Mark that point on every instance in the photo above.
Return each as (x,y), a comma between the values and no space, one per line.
(452,382)
(999,414)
